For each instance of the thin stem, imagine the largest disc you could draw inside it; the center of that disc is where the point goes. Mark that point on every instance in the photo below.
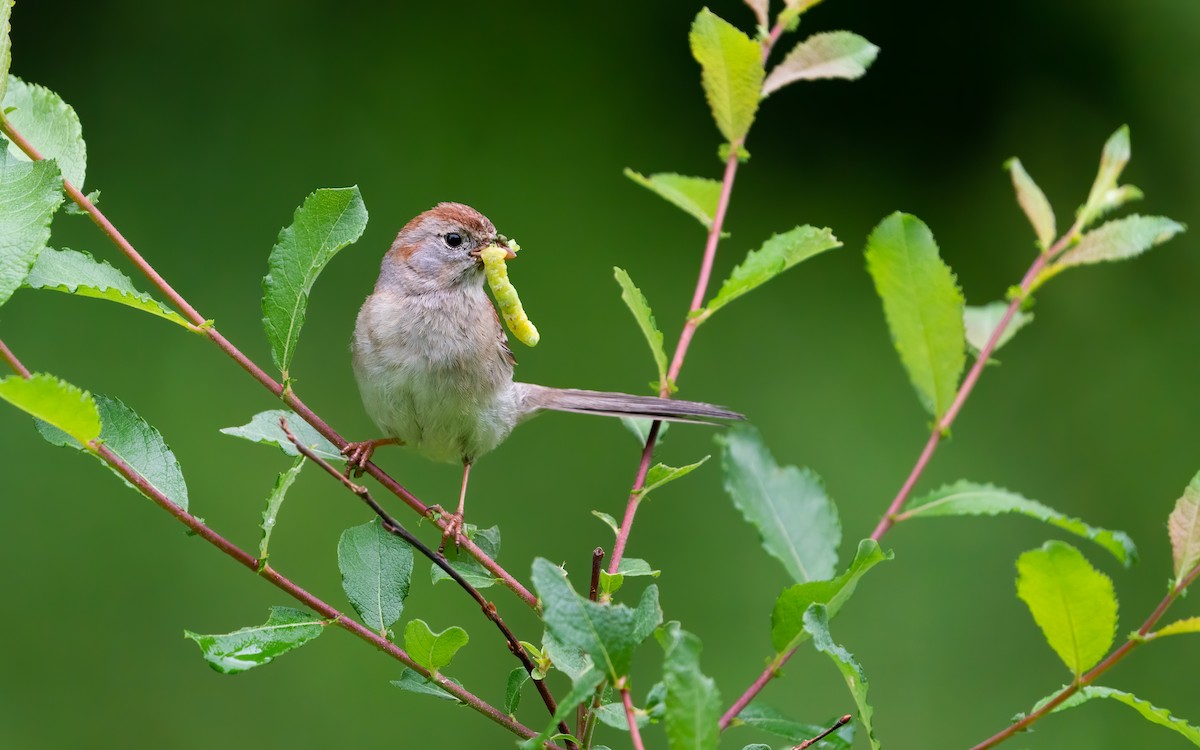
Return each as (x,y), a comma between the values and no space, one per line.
(597,564)
(201,325)
(277,579)
(814,740)
(394,527)
(630,716)
(1111,660)
(13,362)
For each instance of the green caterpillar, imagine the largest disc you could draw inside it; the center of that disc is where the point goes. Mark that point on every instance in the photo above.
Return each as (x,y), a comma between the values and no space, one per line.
(518,322)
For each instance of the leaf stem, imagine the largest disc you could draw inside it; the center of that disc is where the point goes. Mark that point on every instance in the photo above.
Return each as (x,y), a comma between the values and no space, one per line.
(689,328)
(1117,655)
(631,717)
(395,528)
(277,579)
(287,395)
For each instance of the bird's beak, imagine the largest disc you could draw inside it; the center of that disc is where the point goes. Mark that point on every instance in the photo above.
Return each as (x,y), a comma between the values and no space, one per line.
(500,241)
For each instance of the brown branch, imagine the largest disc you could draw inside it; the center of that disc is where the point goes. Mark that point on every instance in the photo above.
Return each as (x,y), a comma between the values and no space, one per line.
(814,740)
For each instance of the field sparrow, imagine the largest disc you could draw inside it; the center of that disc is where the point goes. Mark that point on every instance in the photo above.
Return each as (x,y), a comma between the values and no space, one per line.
(434,366)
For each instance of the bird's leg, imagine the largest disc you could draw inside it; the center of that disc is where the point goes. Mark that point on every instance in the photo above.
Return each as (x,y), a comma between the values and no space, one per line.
(359,454)
(454,523)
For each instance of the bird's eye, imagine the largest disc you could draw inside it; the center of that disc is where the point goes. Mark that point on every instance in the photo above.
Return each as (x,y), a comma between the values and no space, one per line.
(454,239)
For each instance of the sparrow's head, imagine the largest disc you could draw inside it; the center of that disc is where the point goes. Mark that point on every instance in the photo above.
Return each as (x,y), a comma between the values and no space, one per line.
(439,249)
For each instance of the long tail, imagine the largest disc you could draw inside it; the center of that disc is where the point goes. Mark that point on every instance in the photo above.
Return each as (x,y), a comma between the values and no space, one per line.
(535,398)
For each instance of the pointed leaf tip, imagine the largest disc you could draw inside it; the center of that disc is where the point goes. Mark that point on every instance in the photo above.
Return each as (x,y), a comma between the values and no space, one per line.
(779,253)
(1033,202)
(1184,529)
(832,54)
(640,307)
(731,72)
(69,409)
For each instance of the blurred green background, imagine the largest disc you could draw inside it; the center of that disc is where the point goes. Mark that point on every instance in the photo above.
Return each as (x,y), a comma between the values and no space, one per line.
(208,124)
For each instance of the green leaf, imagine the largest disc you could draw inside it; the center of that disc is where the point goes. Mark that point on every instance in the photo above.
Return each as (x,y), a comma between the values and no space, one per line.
(796,519)
(570,660)
(1149,711)
(414,682)
(731,71)
(329,220)
(608,520)
(787,618)
(80,274)
(469,568)
(49,124)
(639,427)
(777,254)
(832,54)
(1120,239)
(613,715)
(637,304)
(661,474)
(582,689)
(630,567)
(264,428)
(979,323)
(512,691)
(5,44)
(964,498)
(816,623)
(134,441)
(774,721)
(376,570)
(923,306)
(698,196)
(1105,195)
(1033,202)
(608,633)
(1187,625)
(693,702)
(55,401)
(284,630)
(29,196)
(274,501)
(1184,528)
(1072,602)
(432,650)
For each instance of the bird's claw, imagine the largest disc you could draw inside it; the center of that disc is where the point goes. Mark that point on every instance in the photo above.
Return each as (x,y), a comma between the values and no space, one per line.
(358,455)
(453,530)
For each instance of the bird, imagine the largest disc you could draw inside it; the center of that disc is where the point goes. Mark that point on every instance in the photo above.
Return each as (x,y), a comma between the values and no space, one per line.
(433,363)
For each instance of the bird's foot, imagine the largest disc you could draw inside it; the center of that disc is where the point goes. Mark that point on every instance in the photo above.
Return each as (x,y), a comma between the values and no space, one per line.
(358,455)
(452,531)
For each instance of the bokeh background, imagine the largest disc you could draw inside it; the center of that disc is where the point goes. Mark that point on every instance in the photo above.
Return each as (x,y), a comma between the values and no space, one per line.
(207,124)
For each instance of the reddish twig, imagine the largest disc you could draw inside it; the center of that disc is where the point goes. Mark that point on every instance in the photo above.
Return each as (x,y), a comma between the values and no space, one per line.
(634,733)
(277,579)
(202,325)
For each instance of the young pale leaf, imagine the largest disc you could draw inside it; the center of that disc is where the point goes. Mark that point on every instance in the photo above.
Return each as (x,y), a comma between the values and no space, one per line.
(774,721)
(639,427)
(376,571)
(55,401)
(6,44)
(731,70)
(414,682)
(264,428)
(1113,159)
(816,623)
(637,304)
(970,499)
(284,630)
(697,196)
(832,54)
(787,618)
(512,691)
(1149,711)
(274,501)
(582,689)
(661,474)
(49,124)
(608,633)
(796,519)
(432,650)
(134,441)
(979,323)
(923,306)
(1184,529)
(1119,239)
(762,9)
(777,254)
(475,574)
(1072,602)
(1187,625)
(29,196)
(608,520)
(1033,202)
(329,220)
(693,703)
(80,274)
